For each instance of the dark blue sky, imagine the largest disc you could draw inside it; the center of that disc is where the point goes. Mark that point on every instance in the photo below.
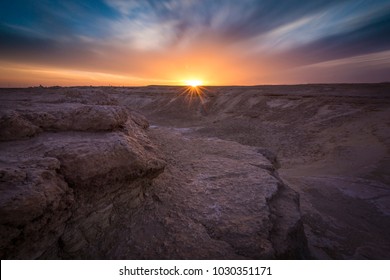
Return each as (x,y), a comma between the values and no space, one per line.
(220,42)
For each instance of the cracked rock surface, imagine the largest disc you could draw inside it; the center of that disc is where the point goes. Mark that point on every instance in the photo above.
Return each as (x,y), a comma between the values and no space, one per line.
(331,143)
(216,199)
(69,174)
(83,177)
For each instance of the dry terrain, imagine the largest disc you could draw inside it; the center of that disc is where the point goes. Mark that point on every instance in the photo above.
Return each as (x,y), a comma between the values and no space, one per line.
(151,173)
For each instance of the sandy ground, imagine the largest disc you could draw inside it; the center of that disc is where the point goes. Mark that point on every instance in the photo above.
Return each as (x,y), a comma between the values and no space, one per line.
(332,143)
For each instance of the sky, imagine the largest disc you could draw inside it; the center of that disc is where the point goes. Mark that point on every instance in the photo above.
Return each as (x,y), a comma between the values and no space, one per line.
(220,42)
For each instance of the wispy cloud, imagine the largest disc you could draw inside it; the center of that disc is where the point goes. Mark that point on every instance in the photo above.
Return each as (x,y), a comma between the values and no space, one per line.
(167,37)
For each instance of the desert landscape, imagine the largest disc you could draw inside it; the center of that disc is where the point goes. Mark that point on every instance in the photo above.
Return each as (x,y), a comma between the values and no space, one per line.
(255,172)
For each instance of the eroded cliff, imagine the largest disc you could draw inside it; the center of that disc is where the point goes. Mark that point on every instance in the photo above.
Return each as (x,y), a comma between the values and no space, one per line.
(82,177)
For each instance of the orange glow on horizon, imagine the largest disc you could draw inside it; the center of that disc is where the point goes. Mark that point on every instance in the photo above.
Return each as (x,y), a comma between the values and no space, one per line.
(194,83)
(194,67)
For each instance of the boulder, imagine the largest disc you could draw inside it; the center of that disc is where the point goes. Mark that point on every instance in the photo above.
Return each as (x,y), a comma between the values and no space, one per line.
(66,172)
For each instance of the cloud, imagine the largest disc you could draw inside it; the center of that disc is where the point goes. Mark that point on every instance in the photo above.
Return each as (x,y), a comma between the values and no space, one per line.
(141,38)
(370,36)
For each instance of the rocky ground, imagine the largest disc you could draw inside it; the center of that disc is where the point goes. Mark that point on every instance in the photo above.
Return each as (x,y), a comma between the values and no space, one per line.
(242,172)
(332,144)
(72,166)
(216,199)
(83,177)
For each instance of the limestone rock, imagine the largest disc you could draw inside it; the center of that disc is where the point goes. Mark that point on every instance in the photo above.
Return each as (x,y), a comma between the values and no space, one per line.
(35,203)
(82,177)
(73,168)
(216,200)
(13,126)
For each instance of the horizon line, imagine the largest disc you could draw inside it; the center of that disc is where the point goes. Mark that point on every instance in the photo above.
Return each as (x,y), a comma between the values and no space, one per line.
(166,85)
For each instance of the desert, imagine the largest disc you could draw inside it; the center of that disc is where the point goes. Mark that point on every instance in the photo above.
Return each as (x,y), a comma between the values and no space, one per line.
(231,172)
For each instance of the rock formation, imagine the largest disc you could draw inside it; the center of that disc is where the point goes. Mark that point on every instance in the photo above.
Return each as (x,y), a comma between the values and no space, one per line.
(82,177)
(332,143)
(67,171)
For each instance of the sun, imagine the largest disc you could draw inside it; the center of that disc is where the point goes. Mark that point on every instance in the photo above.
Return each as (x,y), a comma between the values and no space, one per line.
(194,91)
(194,83)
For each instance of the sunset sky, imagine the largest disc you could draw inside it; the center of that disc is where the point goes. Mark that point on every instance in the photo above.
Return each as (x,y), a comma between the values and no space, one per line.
(237,42)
